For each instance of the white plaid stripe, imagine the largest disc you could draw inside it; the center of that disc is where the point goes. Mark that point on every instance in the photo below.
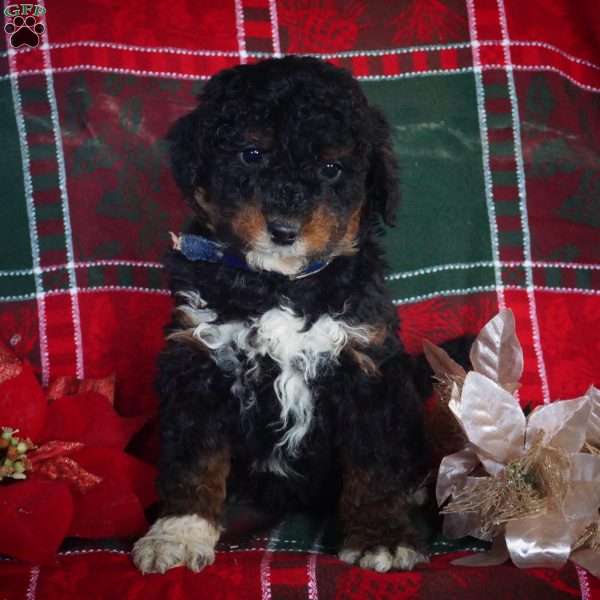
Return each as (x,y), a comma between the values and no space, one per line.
(31,216)
(521,184)
(485,152)
(62,184)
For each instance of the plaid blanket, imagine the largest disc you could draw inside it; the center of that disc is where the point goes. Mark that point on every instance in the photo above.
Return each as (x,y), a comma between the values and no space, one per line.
(495,107)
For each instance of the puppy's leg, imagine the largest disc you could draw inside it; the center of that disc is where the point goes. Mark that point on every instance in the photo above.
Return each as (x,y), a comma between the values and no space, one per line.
(189,528)
(378,533)
(193,470)
(383,460)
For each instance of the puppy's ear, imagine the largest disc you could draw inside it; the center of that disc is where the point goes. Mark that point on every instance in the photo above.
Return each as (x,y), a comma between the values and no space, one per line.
(191,137)
(186,150)
(382,178)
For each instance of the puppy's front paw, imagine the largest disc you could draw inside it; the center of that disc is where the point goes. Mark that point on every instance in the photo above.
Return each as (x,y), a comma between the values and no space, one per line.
(407,557)
(383,558)
(158,556)
(173,541)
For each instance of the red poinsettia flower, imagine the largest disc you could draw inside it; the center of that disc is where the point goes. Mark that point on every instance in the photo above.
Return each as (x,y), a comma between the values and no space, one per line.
(79,481)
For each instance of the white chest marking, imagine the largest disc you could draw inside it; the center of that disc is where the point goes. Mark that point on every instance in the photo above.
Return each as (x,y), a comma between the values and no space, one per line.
(279,334)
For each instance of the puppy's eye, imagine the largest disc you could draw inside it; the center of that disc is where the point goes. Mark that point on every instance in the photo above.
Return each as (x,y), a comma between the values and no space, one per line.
(330,171)
(252,157)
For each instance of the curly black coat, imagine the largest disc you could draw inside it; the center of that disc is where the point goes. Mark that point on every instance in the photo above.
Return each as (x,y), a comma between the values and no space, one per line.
(294,142)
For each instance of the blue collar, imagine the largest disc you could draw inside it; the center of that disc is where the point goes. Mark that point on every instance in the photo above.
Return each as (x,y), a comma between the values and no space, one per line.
(196,247)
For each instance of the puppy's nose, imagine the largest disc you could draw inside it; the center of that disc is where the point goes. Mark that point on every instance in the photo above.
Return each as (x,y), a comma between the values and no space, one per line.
(283,233)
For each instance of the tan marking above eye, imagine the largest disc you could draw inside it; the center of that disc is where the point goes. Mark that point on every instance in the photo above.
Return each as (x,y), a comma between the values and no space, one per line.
(249,224)
(335,152)
(262,139)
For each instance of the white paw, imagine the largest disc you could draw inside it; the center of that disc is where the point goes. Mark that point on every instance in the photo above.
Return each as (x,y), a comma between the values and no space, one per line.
(382,559)
(349,556)
(174,541)
(405,558)
(378,559)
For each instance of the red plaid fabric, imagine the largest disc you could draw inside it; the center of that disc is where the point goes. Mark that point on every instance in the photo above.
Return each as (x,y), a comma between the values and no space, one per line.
(281,575)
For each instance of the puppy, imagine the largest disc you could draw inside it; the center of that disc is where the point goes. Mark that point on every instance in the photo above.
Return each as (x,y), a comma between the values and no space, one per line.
(283,379)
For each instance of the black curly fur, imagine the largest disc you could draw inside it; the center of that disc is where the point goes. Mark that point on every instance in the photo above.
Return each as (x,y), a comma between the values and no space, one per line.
(366,427)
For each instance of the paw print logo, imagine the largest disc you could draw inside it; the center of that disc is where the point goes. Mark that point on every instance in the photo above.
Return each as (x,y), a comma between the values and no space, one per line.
(24,31)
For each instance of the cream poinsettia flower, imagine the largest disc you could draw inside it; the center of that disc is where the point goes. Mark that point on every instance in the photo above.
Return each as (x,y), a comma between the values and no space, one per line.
(525,483)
